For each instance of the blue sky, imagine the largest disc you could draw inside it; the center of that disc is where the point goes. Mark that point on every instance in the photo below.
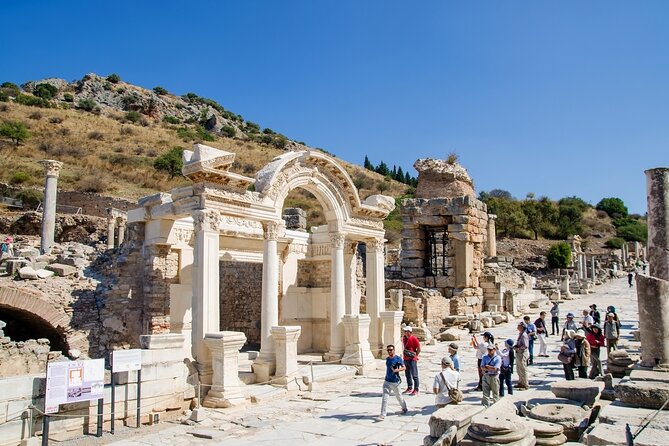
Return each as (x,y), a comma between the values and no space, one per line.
(555,98)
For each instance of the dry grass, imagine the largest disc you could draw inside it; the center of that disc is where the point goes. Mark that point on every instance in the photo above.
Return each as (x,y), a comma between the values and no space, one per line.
(106,154)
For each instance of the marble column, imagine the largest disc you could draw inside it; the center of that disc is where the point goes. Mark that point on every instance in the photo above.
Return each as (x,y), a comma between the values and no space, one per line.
(206,299)
(357,352)
(111,226)
(352,303)
(121,230)
(337,298)
(392,329)
(285,346)
(376,294)
(264,366)
(653,290)
(492,236)
(51,171)
(226,389)
(593,271)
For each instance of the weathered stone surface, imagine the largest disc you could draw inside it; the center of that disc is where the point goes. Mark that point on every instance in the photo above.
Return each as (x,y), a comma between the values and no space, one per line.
(61,269)
(453,334)
(647,394)
(573,418)
(614,435)
(585,391)
(44,274)
(28,273)
(649,375)
(459,416)
(617,413)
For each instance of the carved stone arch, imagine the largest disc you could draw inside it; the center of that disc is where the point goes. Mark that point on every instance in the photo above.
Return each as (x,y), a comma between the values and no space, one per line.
(29,303)
(316,172)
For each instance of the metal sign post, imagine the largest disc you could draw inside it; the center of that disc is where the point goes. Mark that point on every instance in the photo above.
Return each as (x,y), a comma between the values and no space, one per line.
(139,396)
(126,361)
(101,408)
(45,430)
(113,393)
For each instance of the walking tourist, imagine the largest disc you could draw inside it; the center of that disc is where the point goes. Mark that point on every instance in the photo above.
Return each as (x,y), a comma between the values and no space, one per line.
(555,319)
(596,340)
(391,383)
(567,354)
(490,366)
(411,351)
(569,324)
(444,381)
(506,371)
(542,333)
(453,353)
(611,332)
(521,354)
(531,330)
(481,351)
(630,278)
(587,320)
(594,312)
(582,357)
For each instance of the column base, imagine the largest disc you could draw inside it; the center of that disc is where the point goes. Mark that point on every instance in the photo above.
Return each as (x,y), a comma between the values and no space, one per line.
(288,383)
(224,398)
(263,370)
(332,357)
(364,362)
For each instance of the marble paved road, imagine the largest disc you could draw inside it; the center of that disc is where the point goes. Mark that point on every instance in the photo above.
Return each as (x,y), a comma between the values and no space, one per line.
(343,413)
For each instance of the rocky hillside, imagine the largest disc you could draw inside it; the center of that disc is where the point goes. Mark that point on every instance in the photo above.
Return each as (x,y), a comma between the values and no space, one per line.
(109,134)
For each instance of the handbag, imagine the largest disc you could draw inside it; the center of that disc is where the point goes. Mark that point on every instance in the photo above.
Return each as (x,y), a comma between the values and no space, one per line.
(409,354)
(454,393)
(565,358)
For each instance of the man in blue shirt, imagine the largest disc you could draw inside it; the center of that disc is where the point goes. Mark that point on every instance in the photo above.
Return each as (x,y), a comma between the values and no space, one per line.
(453,353)
(490,366)
(391,384)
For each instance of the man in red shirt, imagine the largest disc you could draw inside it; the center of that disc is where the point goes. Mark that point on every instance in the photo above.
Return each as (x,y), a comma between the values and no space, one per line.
(411,351)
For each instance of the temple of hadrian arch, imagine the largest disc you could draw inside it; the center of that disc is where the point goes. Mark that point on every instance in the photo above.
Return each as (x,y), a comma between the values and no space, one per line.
(225,237)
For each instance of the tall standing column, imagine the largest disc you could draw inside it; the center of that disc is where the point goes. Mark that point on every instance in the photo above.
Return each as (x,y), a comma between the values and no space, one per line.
(51,170)
(653,290)
(122,222)
(352,306)
(593,272)
(337,298)
(265,364)
(492,236)
(111,226)
(376,294)
(206,299)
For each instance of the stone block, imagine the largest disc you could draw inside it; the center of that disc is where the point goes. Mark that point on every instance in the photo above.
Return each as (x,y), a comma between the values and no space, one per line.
(62,270)
(459,416)
(162,341)
(585,391)
(617,413)
(453,334)
(613,435)
(646,394)
(44,273)
(28,273)
(649,375)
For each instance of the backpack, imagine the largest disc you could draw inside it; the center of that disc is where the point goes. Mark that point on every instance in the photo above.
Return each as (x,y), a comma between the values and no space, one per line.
(4,247)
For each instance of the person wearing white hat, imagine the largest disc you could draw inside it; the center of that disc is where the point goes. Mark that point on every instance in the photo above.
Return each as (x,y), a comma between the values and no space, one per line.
(444,381)
(582,357)
(567,353)
(410,355)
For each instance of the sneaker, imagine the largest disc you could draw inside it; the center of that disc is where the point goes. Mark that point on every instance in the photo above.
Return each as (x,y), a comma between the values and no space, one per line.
(405,410)
(408,391)
(414,392)
(478,389)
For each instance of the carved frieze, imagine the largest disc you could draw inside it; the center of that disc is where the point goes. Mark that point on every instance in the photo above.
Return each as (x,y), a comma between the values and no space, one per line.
(206,220)
(271,230)
(184,236)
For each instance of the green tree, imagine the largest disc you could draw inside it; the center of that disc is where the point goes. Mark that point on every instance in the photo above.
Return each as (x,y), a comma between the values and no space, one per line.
(382,169)
(170,162)
(14,130)
(559,255)
(570,218)
(510,217)
(159,91)
(530,208)
(229,131)
(114,78)
(367,164)
(614,243)
(614,207)
(45,91)
(633,232)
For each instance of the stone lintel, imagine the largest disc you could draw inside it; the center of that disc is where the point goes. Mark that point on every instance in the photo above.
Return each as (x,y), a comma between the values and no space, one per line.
(161,341)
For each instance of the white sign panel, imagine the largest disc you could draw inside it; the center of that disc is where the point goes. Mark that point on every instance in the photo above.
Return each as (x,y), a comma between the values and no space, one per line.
(126,360)
(73,381)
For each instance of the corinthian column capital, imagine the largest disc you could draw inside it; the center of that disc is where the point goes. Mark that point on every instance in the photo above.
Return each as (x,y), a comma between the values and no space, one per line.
(271,230)
(51,167)
(337,239)
(206,220)
(376,245)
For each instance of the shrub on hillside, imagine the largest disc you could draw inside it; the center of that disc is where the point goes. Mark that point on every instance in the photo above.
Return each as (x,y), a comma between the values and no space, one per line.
(88,105)
(171,119)
(17,131)
(135,117)
(114,78)
(35,115)
(55,120)
(633,232)
(31,101)
(614,243)
(228,131)
(92,183)
(96,136)
(559,255)
(68,97)
(19,177)
(614,207)
(170,162)
(159,91)
(31,198)
(45,91)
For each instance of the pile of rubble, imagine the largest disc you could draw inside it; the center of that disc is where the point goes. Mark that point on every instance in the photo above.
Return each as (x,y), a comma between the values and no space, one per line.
(619,363)
(66,259)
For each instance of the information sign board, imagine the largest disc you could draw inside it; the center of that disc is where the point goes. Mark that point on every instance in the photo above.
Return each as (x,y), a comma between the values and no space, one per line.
(73,381)
(126,360)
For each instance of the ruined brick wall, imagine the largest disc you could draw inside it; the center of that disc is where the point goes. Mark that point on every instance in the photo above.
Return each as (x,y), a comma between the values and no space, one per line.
(161,268)
(24,357)
(422,305)
(313,273)
(241,298)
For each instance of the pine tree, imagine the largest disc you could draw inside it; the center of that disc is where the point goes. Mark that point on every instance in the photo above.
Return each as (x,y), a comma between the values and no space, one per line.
(382,169)
(400,175)
(368,165)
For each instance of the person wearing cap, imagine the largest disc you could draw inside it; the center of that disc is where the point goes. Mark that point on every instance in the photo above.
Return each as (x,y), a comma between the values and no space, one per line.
(453,353)
(542,333)
(506,371)
(587,321)
(582,357)
(568,348)
(596,340)
(444,381)
(611,332)
(594,312)
(411,351)
(490,366)
(570,324)
(520,349)
(531,330)
(481,351)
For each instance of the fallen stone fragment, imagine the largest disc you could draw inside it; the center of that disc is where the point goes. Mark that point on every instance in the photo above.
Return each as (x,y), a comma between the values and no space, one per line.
(61,269)
(28,273)
(647,394)
(585,391)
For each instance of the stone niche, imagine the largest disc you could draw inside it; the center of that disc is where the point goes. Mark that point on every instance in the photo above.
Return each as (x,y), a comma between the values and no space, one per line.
(444,236)
(240,290)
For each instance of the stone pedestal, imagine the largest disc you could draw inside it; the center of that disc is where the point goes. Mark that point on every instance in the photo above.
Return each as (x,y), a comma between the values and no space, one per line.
(51,171)
(392,329)
(564,287)
(376,299)
(357,352)
(285,348)
(226,389)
